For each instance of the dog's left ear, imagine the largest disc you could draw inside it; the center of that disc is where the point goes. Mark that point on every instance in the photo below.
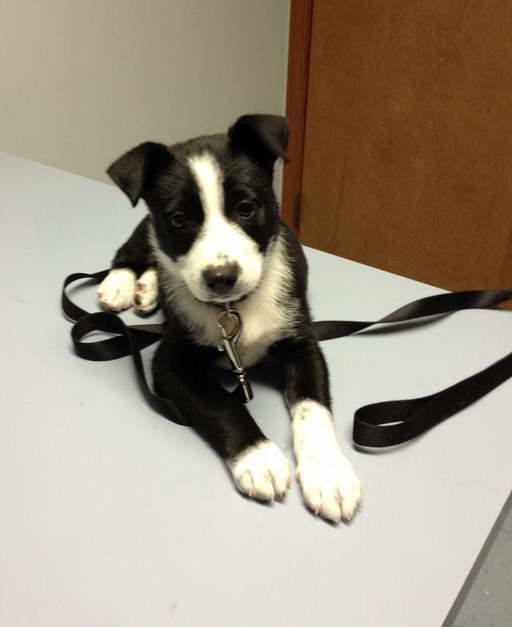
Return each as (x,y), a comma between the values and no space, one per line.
(262,137)
(136,170)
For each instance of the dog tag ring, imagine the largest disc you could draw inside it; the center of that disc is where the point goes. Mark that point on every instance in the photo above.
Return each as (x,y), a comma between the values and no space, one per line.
(228,343)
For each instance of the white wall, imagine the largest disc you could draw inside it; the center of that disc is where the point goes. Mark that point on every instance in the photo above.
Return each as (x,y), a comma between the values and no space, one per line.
(83,80)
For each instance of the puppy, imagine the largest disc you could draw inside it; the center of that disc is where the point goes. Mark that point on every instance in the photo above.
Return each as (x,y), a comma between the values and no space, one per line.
(214,236)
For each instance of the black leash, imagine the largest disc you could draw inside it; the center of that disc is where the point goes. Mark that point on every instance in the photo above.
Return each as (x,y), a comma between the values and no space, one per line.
(129,340)
(376,425)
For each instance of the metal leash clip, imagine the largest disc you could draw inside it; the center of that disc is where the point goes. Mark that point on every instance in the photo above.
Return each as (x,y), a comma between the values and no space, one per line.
(231,318)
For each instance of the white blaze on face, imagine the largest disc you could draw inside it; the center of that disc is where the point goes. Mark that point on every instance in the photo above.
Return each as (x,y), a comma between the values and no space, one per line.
(219,241)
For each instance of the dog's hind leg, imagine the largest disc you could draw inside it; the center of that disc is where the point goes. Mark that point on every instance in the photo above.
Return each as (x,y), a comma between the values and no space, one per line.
(146,291)
(133,279)
(117,291)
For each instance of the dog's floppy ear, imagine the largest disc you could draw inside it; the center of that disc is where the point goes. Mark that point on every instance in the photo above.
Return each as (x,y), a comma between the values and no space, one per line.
(262,137)
(136,170)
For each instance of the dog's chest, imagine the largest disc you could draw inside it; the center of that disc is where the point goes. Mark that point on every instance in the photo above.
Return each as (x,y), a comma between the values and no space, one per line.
(263,324)
(264,321)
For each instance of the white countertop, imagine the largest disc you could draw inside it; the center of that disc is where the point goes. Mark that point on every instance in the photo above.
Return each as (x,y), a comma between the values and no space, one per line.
(113,517)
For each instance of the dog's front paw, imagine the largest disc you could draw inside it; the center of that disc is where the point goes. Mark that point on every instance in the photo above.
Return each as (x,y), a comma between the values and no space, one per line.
(261,471)
(329,485)
(117,290)
(146,291)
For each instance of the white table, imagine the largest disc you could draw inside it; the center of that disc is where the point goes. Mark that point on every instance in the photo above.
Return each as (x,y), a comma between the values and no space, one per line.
(113,517)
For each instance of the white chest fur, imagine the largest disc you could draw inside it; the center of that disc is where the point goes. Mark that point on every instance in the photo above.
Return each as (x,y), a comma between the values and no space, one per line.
(268,314)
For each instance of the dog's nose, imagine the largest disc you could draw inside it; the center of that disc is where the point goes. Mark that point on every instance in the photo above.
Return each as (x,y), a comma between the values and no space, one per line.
(221,279)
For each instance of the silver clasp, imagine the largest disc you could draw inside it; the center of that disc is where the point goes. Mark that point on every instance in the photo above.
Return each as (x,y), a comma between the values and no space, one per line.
(230,325)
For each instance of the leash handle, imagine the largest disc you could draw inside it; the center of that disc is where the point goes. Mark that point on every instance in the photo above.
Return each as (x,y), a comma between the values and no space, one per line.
(394,422)
(377,425)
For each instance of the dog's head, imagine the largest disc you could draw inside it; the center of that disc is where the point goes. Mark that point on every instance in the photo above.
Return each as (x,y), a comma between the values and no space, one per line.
(212,203)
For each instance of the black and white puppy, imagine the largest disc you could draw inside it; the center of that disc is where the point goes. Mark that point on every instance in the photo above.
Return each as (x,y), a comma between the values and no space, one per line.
(213,235)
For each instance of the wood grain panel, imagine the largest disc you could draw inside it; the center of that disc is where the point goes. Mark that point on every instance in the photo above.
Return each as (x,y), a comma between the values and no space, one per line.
(408,146)
(301,12)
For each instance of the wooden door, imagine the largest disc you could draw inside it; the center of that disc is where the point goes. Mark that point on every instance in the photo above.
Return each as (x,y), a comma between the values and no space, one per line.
(407,162)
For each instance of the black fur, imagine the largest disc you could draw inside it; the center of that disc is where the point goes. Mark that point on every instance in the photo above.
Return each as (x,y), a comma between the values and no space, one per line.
(182,368)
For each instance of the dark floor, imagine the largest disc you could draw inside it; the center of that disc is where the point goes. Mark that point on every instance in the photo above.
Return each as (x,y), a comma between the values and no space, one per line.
(489,601)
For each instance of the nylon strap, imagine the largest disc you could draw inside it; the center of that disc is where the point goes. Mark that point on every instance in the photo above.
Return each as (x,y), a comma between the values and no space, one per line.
(376,425)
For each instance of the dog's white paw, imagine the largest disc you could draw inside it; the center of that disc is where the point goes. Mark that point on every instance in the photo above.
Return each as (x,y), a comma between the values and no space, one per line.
(261,471)
(330,486)
(116,292)
(146,291)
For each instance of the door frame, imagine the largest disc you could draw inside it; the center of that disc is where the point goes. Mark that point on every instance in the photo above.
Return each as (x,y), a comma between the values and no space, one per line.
(299,44)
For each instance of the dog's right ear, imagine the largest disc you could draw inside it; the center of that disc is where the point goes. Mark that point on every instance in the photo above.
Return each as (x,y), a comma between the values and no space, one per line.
(136,170)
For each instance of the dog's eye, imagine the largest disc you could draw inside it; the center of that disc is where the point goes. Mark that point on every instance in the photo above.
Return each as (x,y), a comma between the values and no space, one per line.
(178,220)
(246,209)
